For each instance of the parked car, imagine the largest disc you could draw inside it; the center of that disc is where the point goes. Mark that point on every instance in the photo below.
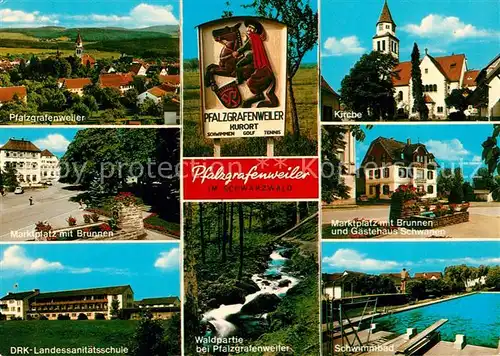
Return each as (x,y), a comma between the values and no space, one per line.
(19,190)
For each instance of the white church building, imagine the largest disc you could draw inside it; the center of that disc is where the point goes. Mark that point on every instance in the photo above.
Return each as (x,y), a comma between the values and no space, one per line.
(440,75)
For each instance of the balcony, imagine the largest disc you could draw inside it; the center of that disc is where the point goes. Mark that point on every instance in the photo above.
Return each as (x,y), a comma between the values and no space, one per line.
(37,304)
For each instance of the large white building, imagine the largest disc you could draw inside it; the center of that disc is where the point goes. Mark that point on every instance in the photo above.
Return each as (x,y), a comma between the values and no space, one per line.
(440,75)
(32,165)
(389,164)
(16,305)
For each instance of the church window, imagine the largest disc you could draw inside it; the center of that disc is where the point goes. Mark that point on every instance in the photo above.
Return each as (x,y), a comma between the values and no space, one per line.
(383,45)
(380,27)
(440,109)
(400,95)
(426,70)
(388,27)
(378,45)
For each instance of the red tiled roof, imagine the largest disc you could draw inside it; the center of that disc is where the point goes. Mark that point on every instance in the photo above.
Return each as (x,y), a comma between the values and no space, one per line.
(8,93)
(169,87)
(402,74)
(428,99)
(157,91)
(450,66)
(385,15)
(88,58)
(135,68)
(428,275)
(115,80)
(470,78)
(76,83)
(47,153)
(20,145)
(327,87)
(172,79)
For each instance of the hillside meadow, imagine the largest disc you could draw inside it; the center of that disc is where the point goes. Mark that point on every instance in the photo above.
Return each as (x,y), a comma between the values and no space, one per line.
(66,333)
(305,89)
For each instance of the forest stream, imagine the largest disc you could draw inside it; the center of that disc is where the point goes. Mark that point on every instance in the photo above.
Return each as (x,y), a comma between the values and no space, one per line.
(274,283)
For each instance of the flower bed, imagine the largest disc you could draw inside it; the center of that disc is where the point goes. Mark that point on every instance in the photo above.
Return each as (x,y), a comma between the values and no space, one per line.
(439,221)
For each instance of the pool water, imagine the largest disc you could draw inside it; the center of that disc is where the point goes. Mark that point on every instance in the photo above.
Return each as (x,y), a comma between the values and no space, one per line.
(476,316)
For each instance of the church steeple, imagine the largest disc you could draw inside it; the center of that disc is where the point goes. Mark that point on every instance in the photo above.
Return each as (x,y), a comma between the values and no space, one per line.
(79,45)
(385,15)
(385,39)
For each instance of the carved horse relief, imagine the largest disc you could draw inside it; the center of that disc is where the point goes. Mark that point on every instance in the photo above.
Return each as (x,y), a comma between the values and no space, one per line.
(247,62)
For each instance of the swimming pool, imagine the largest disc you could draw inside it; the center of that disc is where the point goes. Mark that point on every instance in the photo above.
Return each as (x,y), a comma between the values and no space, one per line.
(476,316)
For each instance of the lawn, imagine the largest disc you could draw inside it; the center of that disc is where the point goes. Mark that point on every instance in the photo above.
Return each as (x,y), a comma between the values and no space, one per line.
(45,52)
(305,89)
(66,333)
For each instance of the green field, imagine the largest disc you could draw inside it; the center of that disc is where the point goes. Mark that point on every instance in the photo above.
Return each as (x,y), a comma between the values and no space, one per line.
(305,88)
(65,333)
(155,42)
(41,52)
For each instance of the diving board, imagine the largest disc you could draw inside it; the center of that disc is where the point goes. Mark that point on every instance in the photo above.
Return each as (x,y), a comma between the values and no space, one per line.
(414,344)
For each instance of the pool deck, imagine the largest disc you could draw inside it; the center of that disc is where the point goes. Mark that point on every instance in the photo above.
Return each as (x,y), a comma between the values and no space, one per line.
(446,348)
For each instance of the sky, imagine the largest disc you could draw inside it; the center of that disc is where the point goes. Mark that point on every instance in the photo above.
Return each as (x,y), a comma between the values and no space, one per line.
(151,269)
(89,13)
(392,256)
(54,140)
(196,12)
(452,145)
(442,26)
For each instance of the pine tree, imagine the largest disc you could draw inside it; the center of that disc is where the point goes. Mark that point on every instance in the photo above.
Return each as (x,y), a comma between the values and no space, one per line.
(417,86)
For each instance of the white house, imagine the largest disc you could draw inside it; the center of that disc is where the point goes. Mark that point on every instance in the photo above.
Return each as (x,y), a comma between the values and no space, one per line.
(74,85)
(31,164)
(389,164)
(440,75)
(471,283)
(16,305)
(138,69)
(490,75)
(156,94)
(49,166)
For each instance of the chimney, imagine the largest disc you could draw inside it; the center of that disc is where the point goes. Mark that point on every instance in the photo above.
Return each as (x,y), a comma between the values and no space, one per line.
(408,141)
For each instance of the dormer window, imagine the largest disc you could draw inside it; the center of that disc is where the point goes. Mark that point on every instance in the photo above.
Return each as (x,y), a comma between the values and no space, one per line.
(453,65)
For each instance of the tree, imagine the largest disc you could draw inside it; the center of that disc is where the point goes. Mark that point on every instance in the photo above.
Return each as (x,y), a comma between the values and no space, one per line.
(115,308)
(458,99)
(484,180)
(417,87)
(91,103)
(9,176)
(82,316)
(149,338)
(110,98)
(368,87)
(202,236)
(415,289)
(140,83)
(457,193)
(129,99)
(302,24)
(468,192)
(241,227)
(81,109)
(491,152)
(224,231)
(227,11)
(449,181)
(332,141)
(493,278)
(231,226)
